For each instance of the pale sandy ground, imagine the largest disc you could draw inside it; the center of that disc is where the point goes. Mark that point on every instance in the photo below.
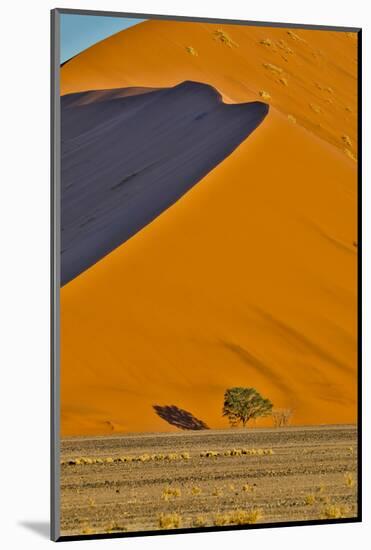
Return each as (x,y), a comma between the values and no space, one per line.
(310,475)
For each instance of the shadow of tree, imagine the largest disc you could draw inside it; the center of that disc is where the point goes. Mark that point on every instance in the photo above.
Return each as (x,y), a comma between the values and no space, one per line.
(179,417)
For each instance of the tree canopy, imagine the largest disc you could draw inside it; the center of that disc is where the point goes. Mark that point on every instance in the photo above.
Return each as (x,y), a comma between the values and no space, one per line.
(244,404)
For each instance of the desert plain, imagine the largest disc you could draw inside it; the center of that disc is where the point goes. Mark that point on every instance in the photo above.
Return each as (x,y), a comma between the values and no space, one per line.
(207,478)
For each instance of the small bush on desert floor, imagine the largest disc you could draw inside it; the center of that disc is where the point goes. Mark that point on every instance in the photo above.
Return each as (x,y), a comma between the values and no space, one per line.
(237,517)
(209,454)
(309,499)
(113,526)
(196,490)
(334,512)
(217,492)
(349,480)
(169,521)
(185,455)
(171,492)
(199,521)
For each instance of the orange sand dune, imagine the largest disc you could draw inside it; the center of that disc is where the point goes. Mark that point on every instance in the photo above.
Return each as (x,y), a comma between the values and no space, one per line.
(250,278)
(310,75)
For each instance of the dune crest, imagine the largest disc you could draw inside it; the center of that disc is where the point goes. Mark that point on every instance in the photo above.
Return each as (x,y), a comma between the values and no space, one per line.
(309,75)
(157,145)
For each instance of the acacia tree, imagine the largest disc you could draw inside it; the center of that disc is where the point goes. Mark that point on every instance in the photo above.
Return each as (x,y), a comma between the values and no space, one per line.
(243,404)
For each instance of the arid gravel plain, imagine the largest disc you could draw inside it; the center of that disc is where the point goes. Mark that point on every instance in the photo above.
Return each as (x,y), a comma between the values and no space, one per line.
(207,478)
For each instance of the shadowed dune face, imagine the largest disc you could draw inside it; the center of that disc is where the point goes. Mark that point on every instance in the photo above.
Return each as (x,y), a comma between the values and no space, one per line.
(128,157)
(250,277)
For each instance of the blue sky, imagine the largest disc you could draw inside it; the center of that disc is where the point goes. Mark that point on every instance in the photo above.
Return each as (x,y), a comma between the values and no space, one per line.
(78,32)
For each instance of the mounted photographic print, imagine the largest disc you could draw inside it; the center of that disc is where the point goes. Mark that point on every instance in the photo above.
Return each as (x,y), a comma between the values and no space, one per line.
(205,274)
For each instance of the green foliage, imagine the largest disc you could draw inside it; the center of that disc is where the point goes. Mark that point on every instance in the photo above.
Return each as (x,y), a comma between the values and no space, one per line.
(243,404)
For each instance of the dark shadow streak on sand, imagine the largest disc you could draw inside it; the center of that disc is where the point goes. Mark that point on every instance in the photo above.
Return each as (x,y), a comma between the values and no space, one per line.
(180,418)
(129,154)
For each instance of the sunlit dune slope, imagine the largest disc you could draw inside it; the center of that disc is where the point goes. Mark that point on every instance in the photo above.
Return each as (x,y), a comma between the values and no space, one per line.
(126,159)
(249,279)
(305,74)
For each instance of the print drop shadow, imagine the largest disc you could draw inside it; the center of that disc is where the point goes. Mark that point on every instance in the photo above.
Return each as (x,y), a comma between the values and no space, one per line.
(180,418)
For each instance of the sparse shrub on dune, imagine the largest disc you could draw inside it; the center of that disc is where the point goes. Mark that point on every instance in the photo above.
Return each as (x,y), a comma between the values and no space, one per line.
(169,521)
(224,38)
(265,95)
(272,68)
(294,36)
(191,51)
(266,42)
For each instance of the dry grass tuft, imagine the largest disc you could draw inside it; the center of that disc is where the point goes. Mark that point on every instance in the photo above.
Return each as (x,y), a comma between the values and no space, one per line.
(191,51)
(266,42)
(334,512)
(315,108)
(171,492)
(349,480)
(349,153)
(243,517)
(199,521)
(185,455)
(294,36)
(237,517)
(346,139)
(113,527)
(224,38)
(169,521)
(265,95)
(273,68)
(209,454)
